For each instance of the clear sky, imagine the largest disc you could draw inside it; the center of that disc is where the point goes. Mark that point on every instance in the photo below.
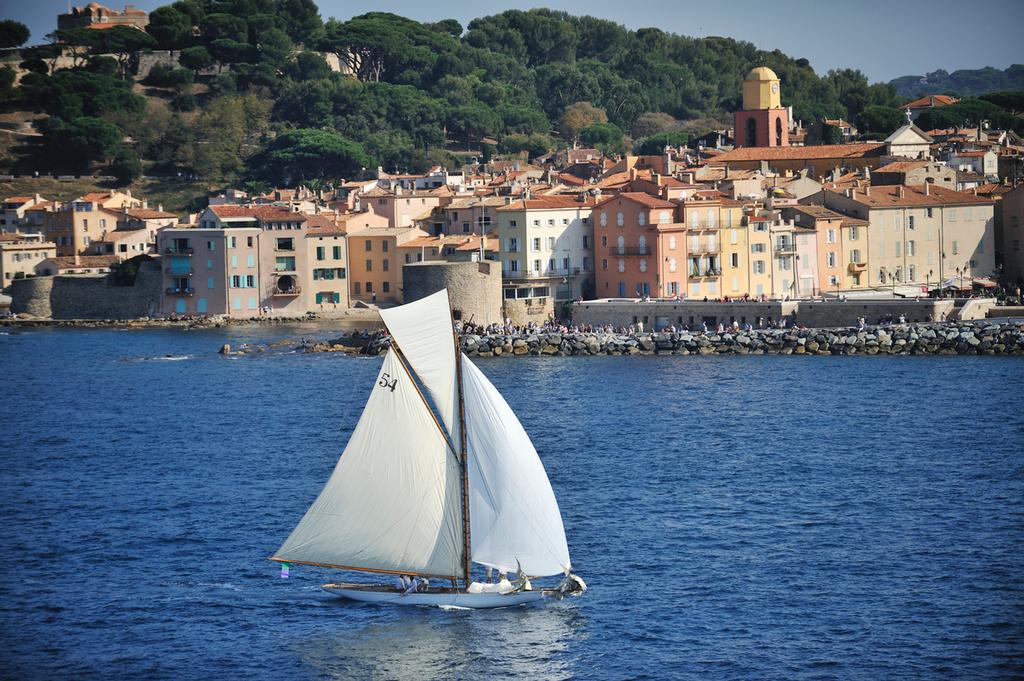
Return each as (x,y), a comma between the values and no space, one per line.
(883,38)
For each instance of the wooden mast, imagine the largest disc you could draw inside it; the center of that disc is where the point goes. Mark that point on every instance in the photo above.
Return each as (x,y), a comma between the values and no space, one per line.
(464,454)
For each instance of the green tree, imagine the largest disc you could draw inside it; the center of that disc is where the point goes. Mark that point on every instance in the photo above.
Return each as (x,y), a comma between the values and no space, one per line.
(303,154)
(607,137)
(7,77)
(124,42)
(220,26)
(170,28)
(830,134)
(534,145)
(196,58)
(655,144)
(125,166)
(274,47)
(880,119)
(13,33)
(302,21)
(82,141)
(308,66)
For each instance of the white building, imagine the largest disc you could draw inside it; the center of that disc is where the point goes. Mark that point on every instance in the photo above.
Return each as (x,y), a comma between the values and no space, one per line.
(547,243)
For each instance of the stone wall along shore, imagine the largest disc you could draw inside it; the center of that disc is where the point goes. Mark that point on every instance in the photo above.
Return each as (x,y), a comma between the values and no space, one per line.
(961,338)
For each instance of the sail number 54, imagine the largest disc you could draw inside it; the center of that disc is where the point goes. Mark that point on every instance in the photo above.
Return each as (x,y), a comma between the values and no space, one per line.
(387,382)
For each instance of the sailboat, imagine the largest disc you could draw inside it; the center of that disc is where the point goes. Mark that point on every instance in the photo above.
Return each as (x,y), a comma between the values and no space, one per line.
(425,488)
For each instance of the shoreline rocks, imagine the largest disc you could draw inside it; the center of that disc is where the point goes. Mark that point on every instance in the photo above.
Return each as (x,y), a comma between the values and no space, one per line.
(956,338)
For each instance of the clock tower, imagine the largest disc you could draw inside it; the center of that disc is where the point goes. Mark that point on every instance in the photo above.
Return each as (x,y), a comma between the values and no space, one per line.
(763,122)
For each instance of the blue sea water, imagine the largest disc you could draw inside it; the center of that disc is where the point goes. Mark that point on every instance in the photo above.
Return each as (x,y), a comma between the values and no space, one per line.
(735,517)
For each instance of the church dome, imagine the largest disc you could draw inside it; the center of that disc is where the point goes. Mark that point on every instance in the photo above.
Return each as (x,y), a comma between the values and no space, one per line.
(761,73)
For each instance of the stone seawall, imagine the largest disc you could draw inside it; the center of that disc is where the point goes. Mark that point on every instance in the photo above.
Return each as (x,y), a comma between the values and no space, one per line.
(83,296)
(964,338)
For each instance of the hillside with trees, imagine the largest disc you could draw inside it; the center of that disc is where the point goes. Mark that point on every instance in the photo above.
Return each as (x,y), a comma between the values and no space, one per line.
(252,98)
(962,83)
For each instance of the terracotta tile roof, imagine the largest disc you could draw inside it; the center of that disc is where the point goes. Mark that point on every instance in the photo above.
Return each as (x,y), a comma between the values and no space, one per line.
(93,197)
(883,196)
(556,202)
(473,244)
(67,262)
(900,166)
(641,198)
(18,199)
(262,213)
(969,154)
(43,206)
(817,212)
(856,150)
(148,214)
(929,101)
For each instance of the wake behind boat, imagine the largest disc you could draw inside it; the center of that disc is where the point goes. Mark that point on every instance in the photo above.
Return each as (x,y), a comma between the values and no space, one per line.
(424,489)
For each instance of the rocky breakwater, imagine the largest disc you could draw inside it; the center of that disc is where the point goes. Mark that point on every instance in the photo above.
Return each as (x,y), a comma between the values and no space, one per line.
(964,338)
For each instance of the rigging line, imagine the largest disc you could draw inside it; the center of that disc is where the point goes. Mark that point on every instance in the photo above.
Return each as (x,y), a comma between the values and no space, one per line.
(467,546)
(404,363)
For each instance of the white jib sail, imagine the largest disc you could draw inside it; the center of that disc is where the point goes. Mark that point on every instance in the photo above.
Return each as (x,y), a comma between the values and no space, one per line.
(513,513)
(394,500)
(424,333)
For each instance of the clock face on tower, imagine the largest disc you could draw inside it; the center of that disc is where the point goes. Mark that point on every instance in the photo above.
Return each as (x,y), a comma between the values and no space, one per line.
(775,88)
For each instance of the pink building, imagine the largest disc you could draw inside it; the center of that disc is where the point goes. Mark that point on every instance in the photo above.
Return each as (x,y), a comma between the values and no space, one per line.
(640,246)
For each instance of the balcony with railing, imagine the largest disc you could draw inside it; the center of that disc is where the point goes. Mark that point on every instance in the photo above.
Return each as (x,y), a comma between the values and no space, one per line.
(707,248)
(628,252)
(857,267)
(174,250)
(784,248)
(177,291)
(290,291)
(705,273)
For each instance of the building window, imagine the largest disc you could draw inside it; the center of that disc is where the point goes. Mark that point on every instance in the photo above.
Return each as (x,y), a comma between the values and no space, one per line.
(956,247)
(385,266)
(853,232)
(855,255)
(321,253)
(236,281)
(910,222)
(384,246)
(369,265)
(512,223)
(513,245)
(734,259)
(672,243)
(622,265)
(551,243)
(831,259)
(830,236)
(586,241)
(911,250)
(286,244)
(759,267)
(386,286)
(620,219)
(356,288)
(369,245)
(535,244)
(336,251)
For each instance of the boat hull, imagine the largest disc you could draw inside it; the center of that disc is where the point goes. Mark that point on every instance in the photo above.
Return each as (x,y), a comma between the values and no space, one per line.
(441,598)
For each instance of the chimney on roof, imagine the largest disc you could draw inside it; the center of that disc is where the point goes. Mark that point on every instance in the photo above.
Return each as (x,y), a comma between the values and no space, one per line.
(632,174)
(975,190)
(901,192)
(926,189)
(867,190)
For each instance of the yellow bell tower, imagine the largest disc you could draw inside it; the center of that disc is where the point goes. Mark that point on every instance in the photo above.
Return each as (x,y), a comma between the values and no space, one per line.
(762,122)
(761,90)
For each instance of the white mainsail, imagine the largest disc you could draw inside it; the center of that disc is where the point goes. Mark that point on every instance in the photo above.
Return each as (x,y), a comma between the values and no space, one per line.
(424,333)
(514,517)
(394,500)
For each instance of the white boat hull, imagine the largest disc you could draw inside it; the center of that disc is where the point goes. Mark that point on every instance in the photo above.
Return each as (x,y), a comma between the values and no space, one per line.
(441,598)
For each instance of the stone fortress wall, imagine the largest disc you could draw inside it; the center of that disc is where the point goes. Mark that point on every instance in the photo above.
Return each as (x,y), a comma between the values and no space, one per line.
(473,287)
(85,296)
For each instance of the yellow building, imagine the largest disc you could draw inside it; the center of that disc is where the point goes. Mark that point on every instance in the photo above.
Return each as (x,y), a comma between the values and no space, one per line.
(375,264)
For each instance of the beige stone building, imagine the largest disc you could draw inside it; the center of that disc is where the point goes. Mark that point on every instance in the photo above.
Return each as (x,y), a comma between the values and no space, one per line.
(1011,206)
(20,254)
(75,225)
(920,235)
